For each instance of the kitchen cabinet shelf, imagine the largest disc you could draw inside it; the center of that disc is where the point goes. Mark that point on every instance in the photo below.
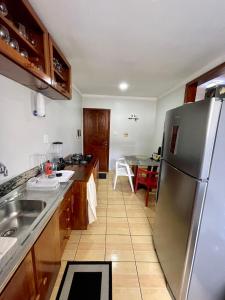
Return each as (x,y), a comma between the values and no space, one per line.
(61,80)
(36,71)
(13,31)
(59,75)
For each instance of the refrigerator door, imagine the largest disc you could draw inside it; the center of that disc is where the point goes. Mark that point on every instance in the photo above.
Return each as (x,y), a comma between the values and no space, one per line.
(189,135)
(208,275)
(173,223)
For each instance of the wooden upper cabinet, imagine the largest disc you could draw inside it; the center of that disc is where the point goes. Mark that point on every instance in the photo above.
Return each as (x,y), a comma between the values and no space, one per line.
(29,63)
(60,70)
(200,83)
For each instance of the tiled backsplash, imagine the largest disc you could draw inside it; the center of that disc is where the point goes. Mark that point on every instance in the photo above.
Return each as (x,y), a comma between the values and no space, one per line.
(13,183)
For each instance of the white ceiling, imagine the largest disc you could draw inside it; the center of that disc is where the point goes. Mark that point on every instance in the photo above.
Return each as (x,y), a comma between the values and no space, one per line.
(152,44)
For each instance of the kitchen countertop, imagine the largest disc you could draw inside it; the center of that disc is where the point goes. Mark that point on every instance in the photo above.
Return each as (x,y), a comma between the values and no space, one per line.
(25,242)
(82,172)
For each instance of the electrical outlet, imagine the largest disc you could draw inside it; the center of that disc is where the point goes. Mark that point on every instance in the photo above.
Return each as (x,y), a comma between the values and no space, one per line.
(45,139)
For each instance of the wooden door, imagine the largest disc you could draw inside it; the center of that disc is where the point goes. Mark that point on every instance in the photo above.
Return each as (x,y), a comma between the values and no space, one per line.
(96,135)
(22,285)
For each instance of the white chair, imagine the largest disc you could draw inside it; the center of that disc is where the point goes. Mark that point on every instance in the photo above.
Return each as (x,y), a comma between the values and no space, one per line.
(123,169)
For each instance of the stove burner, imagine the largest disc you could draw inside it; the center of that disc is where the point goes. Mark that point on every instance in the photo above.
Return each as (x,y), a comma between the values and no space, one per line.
(79,159)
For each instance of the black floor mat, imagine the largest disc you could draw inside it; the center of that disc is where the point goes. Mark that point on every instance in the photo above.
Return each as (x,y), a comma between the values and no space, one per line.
(86,281)
(102,175)
(82,280)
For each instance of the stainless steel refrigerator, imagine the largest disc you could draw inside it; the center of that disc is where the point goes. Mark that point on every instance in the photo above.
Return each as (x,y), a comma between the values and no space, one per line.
(189,230)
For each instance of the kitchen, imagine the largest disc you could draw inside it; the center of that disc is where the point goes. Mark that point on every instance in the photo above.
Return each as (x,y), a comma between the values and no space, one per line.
(151,92)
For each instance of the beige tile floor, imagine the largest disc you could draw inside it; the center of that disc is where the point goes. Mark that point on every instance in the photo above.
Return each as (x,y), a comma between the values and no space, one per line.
(122,234)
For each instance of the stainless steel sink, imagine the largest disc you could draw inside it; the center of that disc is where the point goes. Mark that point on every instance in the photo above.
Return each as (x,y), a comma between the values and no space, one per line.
(16,216)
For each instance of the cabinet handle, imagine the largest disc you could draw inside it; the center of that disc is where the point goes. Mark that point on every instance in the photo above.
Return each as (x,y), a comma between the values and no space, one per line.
(37,297)
(45,280)
(67,209)
(68,219)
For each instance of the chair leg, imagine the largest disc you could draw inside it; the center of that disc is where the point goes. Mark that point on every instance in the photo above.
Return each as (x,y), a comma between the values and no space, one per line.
(131,183)
(136,186)
(147,197)
(115,180)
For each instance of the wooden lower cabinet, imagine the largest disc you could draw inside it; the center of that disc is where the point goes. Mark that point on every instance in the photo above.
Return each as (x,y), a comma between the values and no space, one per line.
(80,216)
(35,277)
(22,284)
(47,257)
(65,219)
(95,172)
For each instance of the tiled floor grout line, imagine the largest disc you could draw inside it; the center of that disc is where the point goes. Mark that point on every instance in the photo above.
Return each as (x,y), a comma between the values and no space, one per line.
(135,261)
(106,217)
(77,246)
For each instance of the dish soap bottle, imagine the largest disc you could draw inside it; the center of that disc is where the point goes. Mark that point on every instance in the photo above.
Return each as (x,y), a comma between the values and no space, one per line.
(48,168)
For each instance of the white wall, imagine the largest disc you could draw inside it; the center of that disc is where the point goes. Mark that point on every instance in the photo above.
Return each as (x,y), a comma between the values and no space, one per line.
(21,133)
(172,100)
(140,133)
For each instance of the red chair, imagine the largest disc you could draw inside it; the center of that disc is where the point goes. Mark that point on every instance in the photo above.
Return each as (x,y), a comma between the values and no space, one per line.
(147,178)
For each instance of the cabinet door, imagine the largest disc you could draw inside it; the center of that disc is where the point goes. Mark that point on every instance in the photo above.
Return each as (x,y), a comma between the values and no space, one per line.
(80,206)
(47,257)
(22,285)
(63,229)
(65,219)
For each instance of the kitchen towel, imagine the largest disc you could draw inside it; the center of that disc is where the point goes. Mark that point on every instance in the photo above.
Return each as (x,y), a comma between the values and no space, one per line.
(92,200)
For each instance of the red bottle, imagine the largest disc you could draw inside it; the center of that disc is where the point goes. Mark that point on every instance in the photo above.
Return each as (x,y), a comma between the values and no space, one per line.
(48,168)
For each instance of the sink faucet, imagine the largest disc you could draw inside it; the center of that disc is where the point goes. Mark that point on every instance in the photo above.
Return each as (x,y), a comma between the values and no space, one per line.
(3,169)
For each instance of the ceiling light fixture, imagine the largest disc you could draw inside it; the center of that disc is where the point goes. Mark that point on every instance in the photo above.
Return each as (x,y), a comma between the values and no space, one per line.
(123,86)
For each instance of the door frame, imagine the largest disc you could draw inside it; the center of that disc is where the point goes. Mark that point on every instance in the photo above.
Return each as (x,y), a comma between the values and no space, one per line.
(108,138)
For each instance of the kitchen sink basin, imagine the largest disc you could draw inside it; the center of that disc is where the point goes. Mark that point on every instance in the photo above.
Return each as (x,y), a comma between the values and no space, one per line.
(16,216)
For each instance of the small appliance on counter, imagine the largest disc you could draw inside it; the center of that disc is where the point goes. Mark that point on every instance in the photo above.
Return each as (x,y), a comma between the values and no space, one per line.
(157,156)
(57,148)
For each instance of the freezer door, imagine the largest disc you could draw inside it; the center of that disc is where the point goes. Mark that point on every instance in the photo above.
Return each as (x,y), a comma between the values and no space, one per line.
(189,135)
(173,223)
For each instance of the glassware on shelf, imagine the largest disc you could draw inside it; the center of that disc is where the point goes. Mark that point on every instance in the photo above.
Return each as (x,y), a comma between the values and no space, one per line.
(22,30)
(24,53)
(57,65)
(14,44)
(31,39)
(4,34)
(39,67)
(3,9)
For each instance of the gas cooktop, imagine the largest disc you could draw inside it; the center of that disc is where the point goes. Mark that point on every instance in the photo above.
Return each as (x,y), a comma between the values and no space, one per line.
(79,159)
